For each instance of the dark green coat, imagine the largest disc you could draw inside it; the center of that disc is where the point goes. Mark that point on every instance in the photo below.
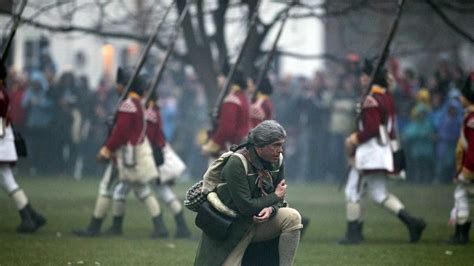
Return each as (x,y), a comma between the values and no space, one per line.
(242,194)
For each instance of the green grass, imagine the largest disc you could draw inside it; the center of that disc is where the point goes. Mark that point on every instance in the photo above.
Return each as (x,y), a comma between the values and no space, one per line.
(68,205)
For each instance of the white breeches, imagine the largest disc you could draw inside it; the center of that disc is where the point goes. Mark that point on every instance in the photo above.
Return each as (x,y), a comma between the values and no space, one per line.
(8,180)
(165,193)
(463,194)
(357,186)
(108,181)
(142,191)
(169,197)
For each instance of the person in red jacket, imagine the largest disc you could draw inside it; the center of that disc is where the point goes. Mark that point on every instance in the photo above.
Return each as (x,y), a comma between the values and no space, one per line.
(371,147)
(234,119)
(30,219)
(261,108)
(465,167)
(154,133)
(129,149)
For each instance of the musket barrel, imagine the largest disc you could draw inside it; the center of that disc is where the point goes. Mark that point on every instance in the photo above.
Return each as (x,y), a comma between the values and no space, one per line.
(16,23)
(386,48)
(174,37)
(143,56)
(268,59)
(225,90)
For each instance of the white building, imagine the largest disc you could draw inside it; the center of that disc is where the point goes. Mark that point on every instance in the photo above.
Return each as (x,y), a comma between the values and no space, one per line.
(96,56)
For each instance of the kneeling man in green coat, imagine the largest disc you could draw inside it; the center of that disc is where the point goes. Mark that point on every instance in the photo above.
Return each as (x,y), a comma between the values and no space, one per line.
(256,192)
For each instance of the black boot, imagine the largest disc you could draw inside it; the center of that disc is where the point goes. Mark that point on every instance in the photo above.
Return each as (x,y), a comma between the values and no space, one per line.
(37,218)
(116,228)
(159,228)
(92,230)
(353,235)
(464,237)
(182,230)
(305,223)
(414,225)
(27,224)
(461,234)
(454,239)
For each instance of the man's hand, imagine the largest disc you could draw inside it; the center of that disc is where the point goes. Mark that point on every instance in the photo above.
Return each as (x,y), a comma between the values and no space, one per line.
(280,190)
(210,148)
(103,155)
(263,215)
(350,144)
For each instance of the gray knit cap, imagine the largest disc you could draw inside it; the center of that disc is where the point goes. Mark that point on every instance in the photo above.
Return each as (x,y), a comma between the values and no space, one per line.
(266,133)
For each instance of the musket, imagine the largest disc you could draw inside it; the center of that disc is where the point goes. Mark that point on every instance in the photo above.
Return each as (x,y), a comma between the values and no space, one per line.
(174,37)
(138,67)
(380,62)
(16,23)
(268,59)
(141,61)
(225,90)
(386,48)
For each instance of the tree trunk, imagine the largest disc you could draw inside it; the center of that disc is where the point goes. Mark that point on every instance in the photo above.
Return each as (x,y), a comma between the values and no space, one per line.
(200,55)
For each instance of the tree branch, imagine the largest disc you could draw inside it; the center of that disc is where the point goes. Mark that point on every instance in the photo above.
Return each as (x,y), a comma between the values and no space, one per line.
(108,34)
(219,35)
(449,22)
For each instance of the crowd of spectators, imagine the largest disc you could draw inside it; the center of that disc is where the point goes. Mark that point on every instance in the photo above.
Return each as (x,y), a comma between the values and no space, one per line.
(429,118)
(64,119)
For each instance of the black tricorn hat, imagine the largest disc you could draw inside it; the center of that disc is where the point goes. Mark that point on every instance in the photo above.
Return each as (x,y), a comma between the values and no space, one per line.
(123,75)
(239,79)
(367,66)
(3,72)
(139,84)
(468,89)
(225,69)
(265,86)
(380,77)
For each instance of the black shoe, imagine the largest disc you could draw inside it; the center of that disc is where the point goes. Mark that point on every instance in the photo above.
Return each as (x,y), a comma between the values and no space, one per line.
(116,228)
(454,239)
(416,230)
(92,230)
(464,237)
(37,218)
(27,225)
(415,226)
(159,228)
(182,230)
(305,223)
(461,234)
(353,235)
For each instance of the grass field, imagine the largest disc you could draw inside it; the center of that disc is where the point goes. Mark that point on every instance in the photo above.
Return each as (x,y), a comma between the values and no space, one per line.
(68,205)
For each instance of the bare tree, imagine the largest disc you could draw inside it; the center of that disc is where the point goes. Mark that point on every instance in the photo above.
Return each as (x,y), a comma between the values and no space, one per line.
(356,25)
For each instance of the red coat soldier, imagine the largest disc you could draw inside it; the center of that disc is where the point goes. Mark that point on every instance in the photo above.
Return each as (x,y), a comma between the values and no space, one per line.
(154,133)
(465,167)
(30,219)
(234,119)
(261,108)
(374,160)
(128,147)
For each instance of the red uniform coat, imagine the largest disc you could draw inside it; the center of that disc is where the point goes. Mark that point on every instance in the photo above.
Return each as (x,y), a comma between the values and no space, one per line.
(7,146)
(378,108)
(18,114)
(154,127)
(234,120)
(4,104)
(261,110)
(465,147)
(129,126)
